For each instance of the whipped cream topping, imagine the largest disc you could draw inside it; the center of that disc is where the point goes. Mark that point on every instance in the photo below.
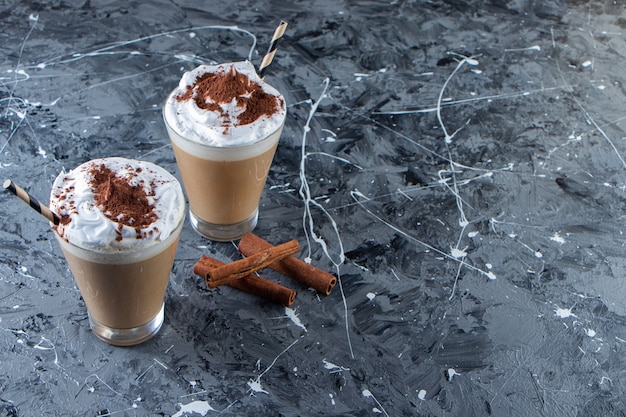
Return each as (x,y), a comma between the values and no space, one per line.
(224,105)
(114,204)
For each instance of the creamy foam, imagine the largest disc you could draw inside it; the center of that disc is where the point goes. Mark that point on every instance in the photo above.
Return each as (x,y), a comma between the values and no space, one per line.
(219,122)
(85,223)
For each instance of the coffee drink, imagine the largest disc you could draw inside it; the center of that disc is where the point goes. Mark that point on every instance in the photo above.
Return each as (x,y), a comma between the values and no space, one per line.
(224,123)
(119,229)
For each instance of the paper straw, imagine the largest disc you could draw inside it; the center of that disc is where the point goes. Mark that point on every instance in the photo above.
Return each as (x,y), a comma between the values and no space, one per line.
(31,201)
(271,51)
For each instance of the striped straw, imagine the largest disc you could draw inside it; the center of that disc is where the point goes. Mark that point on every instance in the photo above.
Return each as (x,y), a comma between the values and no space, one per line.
(271,51)
(31,201)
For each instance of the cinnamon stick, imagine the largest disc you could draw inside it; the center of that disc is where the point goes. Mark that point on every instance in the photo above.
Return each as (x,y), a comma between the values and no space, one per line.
(229,272)
(291,266)
(250,283)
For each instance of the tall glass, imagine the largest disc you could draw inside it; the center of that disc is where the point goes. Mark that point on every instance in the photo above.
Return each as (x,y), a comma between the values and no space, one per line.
(224,123)
(122,270)
(224,184)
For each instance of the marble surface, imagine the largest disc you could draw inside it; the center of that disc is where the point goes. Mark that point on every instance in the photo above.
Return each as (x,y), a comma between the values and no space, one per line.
(459,165)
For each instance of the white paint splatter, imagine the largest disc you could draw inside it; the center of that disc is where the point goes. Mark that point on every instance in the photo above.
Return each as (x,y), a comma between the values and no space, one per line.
(360,75)
(557,238)
(332,136)
(196,407)
(160,363)
(421,394)
(255,386)
(458,253)
(452,373)
(46,344)
(368,394)
(564,312)
(291,313)
(575,138)
(605,378)
(19,114)
(334,368)
(530,48)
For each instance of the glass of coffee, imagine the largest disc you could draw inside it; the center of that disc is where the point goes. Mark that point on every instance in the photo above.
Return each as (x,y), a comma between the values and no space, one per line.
(224,123)
(120,221)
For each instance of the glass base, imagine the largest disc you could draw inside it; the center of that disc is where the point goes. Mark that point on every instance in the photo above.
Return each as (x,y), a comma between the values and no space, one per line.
(223,232)
(128,337)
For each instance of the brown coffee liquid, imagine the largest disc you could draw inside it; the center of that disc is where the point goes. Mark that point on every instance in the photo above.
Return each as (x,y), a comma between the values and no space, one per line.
(223,192)
(123,296)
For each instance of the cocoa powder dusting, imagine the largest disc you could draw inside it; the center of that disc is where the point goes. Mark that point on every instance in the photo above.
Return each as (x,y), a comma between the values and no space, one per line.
(212,89)
(120,201)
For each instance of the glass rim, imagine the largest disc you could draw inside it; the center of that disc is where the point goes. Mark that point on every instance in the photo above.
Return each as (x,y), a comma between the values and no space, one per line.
(208,145)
